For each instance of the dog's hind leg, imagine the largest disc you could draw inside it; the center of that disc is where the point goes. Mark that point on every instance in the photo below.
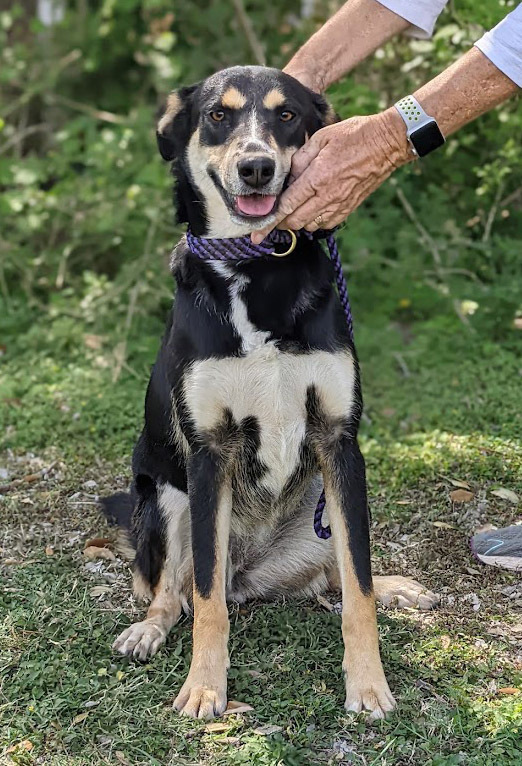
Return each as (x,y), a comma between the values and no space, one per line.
(400,592)
(394,591)
(162,567)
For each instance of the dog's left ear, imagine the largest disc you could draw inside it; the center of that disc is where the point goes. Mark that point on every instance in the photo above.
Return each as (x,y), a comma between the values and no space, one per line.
(325,113)
(175,124)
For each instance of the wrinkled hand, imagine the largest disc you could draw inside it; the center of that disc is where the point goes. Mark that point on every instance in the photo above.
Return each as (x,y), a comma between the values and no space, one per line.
(337,169)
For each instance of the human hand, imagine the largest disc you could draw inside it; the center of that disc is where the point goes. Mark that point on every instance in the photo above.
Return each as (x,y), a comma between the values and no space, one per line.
(337,169)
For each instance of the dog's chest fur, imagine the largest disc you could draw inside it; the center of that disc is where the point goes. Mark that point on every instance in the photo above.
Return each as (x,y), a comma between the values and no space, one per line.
(268,385)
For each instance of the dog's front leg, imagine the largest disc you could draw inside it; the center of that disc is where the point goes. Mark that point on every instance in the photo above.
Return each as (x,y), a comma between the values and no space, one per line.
(345,486)
(204,693)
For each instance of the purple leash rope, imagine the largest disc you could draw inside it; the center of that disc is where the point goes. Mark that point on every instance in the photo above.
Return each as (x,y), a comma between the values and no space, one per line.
(242,248)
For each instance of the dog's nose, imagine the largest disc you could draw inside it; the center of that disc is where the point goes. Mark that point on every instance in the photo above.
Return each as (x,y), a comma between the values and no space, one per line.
(257,171)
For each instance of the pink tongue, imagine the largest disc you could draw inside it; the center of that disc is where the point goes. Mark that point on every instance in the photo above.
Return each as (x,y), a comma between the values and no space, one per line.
(256,204)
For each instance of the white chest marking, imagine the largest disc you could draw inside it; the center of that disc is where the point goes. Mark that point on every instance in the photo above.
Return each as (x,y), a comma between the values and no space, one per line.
(271,386)
(251,337)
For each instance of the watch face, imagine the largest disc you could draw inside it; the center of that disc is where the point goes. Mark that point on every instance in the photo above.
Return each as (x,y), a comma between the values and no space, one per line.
(426,138)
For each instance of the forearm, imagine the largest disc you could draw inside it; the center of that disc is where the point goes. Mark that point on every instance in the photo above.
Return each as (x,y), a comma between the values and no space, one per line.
(356,30)
(464,91)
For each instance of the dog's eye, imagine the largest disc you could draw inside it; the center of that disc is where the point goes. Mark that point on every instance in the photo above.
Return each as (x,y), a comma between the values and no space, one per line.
(286,116)
(218,115)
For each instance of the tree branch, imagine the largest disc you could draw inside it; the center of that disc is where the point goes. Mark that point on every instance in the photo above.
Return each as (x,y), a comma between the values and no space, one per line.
(248,28)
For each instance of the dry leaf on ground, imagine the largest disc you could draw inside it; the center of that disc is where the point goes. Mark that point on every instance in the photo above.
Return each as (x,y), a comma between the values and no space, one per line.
(93,552)
(99,542)
(216,727)
(234,707)
(506,494)
(99,590)
(266,731)
(79,718)
(325,603)
(443,525)
(228,740)
(93,342)
(461,496)
(457,482)
(25,744)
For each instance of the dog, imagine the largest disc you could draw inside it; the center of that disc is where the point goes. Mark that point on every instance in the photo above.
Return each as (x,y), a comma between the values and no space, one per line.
(254,401)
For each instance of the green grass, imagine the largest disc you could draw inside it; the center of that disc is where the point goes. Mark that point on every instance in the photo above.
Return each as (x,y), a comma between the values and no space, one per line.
(442,402)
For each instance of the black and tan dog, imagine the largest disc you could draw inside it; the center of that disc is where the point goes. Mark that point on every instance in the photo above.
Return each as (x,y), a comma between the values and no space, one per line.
(254,400)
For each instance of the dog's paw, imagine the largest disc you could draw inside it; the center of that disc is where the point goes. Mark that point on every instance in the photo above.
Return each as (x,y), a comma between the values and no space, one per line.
(141,640)
(201,700)
(402,593)
(374,697)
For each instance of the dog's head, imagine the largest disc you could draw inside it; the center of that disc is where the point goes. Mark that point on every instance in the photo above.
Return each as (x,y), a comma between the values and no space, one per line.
(232,138)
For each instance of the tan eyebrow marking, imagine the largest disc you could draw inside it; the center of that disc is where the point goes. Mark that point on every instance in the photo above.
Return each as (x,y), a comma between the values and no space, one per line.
(174,105)
(273,99)
(233,99)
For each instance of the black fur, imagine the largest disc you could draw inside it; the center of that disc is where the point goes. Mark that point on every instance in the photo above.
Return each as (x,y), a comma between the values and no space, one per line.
(118,509)
(204,472)
(349,467)
(148,531)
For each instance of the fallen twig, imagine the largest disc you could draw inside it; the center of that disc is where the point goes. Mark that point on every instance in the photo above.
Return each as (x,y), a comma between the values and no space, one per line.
(28,479)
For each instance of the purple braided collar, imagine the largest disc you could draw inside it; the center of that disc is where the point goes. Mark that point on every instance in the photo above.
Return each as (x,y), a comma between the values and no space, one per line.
(242,248)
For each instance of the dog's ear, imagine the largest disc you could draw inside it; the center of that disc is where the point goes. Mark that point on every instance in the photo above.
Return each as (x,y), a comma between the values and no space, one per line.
(174,126)
(323,114)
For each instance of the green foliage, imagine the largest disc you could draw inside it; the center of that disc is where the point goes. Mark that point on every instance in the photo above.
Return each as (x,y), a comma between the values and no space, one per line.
(86,207)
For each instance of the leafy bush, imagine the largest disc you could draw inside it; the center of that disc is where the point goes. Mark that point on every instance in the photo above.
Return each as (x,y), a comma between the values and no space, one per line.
(86,202)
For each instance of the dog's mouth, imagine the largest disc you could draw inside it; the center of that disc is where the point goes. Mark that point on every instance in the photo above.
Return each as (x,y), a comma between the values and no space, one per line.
(255,205)
(252,206)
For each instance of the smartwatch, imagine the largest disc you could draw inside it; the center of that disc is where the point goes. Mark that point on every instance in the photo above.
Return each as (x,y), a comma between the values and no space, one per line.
(423,133)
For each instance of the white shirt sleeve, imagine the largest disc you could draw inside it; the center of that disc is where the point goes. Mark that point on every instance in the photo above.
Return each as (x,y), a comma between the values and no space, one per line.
(503,45)
(422,14)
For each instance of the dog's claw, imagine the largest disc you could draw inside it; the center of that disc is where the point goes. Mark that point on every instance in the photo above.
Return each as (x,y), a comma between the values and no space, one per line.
(140,640)
(200,701)
(376,698)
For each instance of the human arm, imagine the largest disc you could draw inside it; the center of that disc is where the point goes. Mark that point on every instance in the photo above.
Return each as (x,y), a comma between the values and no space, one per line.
(357,29)
(343,163)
